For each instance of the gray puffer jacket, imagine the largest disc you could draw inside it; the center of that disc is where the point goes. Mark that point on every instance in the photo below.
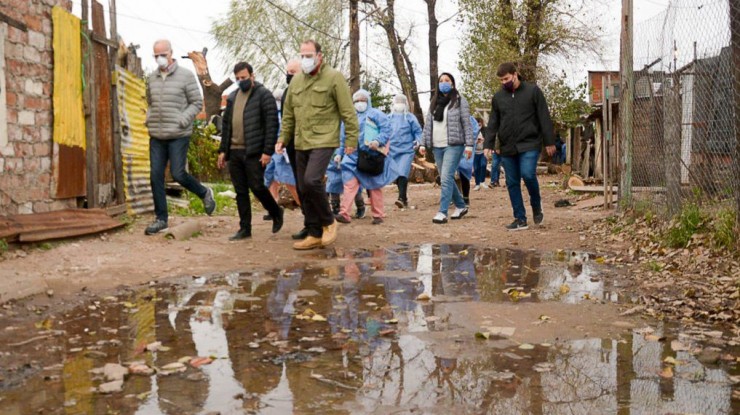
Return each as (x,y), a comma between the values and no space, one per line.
(174,101)
(459,130)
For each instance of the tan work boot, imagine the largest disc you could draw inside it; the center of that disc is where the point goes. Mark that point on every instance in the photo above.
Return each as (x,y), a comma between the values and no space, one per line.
(330,234)
(310,242)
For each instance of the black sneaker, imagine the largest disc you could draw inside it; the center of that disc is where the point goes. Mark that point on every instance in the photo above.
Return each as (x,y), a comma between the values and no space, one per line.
(267,217)
(341,218)
(277,223)
(377,221)
(538,216)
(209,203)
(360,213)
(302,234)
(241,235)
(517,225)
(402,204)
(156,227)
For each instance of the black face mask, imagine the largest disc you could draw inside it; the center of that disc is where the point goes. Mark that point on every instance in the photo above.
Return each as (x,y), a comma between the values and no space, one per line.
(288,77)
(245,85)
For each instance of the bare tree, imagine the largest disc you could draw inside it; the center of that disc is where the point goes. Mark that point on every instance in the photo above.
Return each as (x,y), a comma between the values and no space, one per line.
(385,17)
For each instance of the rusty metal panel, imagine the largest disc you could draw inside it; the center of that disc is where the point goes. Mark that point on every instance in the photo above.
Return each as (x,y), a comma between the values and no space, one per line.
(104,140)
(56,225)
(69,117)
(132,108)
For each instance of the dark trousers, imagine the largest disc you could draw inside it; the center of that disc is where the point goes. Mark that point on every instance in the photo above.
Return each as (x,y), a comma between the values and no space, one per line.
(311,169)
(248,174)
(175,151)
(479,168)
(403,187)
(290,149)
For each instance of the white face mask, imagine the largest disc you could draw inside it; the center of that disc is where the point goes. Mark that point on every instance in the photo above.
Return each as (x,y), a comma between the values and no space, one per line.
(308,64)
(361,106)
(399,108)
(162,62)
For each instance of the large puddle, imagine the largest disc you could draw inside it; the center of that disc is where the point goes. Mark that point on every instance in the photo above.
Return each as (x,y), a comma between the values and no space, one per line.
(391,331)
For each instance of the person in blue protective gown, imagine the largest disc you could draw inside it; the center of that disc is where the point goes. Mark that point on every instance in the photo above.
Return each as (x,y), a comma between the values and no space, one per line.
(278,171)
(405,139)
(465,168)
(335,185)
(375,133)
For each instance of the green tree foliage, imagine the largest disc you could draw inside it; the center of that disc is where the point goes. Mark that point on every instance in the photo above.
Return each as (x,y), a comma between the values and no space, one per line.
(567,104)
(265,35)
(522,31)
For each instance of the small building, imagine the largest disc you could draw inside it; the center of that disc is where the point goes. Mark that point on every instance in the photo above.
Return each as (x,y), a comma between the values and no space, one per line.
(26,114)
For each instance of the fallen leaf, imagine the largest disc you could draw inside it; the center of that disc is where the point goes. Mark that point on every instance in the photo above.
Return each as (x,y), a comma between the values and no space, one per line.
(483,335)
(667,372)
(423,297)
(200,361)
(526,346)
(564,289)
(318,317)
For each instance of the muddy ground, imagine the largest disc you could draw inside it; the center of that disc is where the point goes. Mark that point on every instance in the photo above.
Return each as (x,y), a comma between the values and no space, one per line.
(406,318)
(129,257)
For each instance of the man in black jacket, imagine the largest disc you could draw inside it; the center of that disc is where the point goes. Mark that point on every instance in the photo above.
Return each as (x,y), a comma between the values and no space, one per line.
(519,124)
(250,128)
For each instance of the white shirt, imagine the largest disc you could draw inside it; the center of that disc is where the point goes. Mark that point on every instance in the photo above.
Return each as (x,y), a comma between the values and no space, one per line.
(439,132)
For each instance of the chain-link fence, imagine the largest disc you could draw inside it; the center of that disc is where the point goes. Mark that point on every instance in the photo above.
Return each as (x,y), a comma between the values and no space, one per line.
(686,87)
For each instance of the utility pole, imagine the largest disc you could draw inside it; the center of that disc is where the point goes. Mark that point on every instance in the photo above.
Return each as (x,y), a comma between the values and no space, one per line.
(735,42)
(354,46)
(626,101)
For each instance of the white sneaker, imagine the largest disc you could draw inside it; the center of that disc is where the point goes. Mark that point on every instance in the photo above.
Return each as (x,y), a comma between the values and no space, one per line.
(440,218)
(459,213)
(477,188)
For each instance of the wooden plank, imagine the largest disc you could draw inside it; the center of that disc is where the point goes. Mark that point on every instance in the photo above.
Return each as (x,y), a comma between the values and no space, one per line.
(595,202)
(105,179)
(12,22)
(115,114)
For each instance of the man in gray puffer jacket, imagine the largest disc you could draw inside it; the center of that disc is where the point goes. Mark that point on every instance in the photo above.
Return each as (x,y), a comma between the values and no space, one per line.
(174,100)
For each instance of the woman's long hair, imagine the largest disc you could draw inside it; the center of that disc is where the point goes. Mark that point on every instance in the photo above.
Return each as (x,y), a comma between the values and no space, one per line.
(453,94)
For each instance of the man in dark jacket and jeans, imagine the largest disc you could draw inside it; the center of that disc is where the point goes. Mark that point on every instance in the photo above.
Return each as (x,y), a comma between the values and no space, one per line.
(250,128)
(520,122)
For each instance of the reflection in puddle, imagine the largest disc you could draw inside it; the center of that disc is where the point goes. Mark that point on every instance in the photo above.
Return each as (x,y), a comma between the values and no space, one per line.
(351,338)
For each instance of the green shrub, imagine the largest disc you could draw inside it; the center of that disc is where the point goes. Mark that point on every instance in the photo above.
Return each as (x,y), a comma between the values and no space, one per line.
(203,154)
(724,230)
(690,221)
(224,204)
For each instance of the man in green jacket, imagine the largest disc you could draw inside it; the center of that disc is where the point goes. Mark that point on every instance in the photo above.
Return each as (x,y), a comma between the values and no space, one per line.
(318,101)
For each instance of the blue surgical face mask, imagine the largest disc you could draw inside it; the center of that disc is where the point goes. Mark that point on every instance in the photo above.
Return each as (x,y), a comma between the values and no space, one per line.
(445,87)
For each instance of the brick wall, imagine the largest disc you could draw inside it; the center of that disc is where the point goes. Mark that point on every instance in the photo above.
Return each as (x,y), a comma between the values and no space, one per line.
(25,162)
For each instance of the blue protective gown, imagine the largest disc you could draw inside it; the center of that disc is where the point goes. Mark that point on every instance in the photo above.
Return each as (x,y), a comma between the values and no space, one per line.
(405,137)
(465,168)
(349,162)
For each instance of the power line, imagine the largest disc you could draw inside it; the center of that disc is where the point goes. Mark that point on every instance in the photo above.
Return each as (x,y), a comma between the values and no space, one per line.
(303,22)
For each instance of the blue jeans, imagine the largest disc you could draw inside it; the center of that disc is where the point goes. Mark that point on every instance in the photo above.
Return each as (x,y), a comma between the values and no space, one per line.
(448,158)
(175,151)
(479,168)
(522,166)
(495,168)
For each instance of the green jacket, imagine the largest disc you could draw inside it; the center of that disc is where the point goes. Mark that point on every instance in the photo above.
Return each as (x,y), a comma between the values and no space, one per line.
(314,109)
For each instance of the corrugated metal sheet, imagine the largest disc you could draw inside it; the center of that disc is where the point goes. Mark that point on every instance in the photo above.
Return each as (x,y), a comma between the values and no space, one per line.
(132,108)
(69,118)
(59,224)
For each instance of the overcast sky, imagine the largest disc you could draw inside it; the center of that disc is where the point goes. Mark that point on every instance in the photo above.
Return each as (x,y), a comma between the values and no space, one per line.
(187,23)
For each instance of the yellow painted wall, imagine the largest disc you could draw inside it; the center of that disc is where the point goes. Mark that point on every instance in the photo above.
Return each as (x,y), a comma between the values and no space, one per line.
(69,117)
